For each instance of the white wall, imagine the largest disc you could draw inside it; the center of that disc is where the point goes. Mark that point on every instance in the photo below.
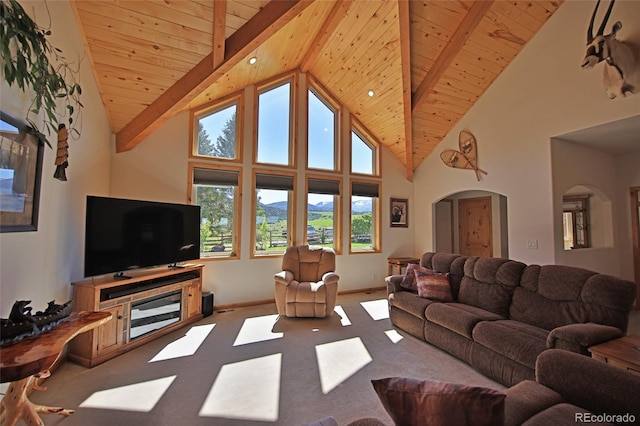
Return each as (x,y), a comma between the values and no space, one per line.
(39,266)
(628,175)
(541,94)
(157,169)
(596,171)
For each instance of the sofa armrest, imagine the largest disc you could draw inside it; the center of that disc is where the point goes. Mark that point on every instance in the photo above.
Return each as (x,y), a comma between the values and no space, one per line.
(284,277)
(589,384)
(393,283)
(578,337)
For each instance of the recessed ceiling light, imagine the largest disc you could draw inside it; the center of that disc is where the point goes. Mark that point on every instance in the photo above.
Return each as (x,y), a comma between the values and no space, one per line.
(253,60)
(371,92)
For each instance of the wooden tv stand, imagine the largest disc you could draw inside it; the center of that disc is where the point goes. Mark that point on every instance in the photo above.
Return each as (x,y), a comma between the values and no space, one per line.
(118,295)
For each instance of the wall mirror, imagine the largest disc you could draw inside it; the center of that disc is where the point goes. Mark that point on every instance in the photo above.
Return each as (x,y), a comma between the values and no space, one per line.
(21,157)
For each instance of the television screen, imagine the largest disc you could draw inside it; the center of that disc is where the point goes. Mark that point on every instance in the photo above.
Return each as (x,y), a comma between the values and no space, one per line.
(122,235)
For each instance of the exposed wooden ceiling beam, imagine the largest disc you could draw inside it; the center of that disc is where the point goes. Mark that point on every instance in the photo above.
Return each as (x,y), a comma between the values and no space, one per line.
(405,55)
(469,23)
(258,29)
(219,26)
(337,14)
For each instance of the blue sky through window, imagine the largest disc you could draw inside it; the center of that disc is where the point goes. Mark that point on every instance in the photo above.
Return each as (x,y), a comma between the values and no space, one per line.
(216,121)
(268,196)
(321,134)
(6,127)
(274,115)
(361,155)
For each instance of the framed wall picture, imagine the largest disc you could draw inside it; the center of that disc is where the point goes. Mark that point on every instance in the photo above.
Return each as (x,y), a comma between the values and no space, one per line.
(21,156)
(399,210)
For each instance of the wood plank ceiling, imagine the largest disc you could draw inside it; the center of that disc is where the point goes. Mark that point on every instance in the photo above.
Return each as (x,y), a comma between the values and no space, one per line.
(428,61)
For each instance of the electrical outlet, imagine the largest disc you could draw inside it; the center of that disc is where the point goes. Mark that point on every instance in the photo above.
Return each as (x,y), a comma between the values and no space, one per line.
(532,244)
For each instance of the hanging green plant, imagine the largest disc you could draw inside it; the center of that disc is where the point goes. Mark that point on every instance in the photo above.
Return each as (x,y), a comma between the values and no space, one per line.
(31,62)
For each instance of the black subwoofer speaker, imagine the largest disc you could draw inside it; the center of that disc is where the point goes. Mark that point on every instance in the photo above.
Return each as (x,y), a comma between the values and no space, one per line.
(207,304)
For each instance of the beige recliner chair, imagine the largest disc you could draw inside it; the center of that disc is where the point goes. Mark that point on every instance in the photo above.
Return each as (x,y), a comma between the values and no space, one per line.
(307,286)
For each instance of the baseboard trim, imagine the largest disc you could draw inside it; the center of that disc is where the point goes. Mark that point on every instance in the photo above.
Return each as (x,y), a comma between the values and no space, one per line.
(362,290)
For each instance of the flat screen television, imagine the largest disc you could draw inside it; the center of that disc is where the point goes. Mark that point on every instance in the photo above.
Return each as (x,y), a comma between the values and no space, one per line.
(122,235)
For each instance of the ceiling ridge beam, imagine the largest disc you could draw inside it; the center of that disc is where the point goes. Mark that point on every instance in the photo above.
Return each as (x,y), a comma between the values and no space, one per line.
(270,19)
(219,27)
(471,20)
(336,15)
(405,62)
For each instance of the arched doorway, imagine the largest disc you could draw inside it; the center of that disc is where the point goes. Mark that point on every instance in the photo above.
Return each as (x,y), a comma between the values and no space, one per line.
(451,233)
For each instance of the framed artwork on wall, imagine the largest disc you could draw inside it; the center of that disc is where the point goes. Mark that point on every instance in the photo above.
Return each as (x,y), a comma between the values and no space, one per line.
(399,210)
(21,156)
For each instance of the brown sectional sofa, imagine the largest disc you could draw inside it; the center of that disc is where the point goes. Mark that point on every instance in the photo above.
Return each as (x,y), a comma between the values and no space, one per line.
(571,389)
(568,389)
(505,313)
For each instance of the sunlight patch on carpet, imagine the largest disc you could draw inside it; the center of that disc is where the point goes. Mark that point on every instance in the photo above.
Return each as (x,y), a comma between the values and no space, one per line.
(337,361)
(257,329)
(247,390)
(344,319)
(394,336)
(377,309)
(140,397)
(186,345)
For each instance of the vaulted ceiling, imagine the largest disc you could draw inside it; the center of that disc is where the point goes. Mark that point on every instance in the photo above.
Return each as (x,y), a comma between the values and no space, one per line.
(428,61)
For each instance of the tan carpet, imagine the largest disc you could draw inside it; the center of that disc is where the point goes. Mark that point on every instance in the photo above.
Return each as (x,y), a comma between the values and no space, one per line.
(252,368)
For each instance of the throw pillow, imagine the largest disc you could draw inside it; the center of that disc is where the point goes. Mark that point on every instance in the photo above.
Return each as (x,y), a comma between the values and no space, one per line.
(433,403)
(434,286)
(409,280)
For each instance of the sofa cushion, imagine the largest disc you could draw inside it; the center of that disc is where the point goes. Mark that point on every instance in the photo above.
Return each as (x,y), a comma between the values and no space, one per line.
(434,286)
(446,262)
(488,283)
(409,280)
(551,296)
(410,303)
(429,402)
(458,317)
(513,339)
(526,399)
(559,415)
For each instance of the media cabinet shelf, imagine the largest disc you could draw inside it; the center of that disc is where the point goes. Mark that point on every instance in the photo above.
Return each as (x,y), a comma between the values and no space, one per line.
(118,295)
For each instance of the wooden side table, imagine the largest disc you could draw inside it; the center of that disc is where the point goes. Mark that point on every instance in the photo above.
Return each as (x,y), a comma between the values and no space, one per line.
(24,362)
(400,262)
(623,352)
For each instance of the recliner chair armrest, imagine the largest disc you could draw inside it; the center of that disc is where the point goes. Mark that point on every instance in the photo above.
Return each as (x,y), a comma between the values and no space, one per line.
(284,277)
(578,337)
(330,277)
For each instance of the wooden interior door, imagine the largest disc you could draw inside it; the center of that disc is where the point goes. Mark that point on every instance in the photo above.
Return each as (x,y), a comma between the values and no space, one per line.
(474,222)
(635,233)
